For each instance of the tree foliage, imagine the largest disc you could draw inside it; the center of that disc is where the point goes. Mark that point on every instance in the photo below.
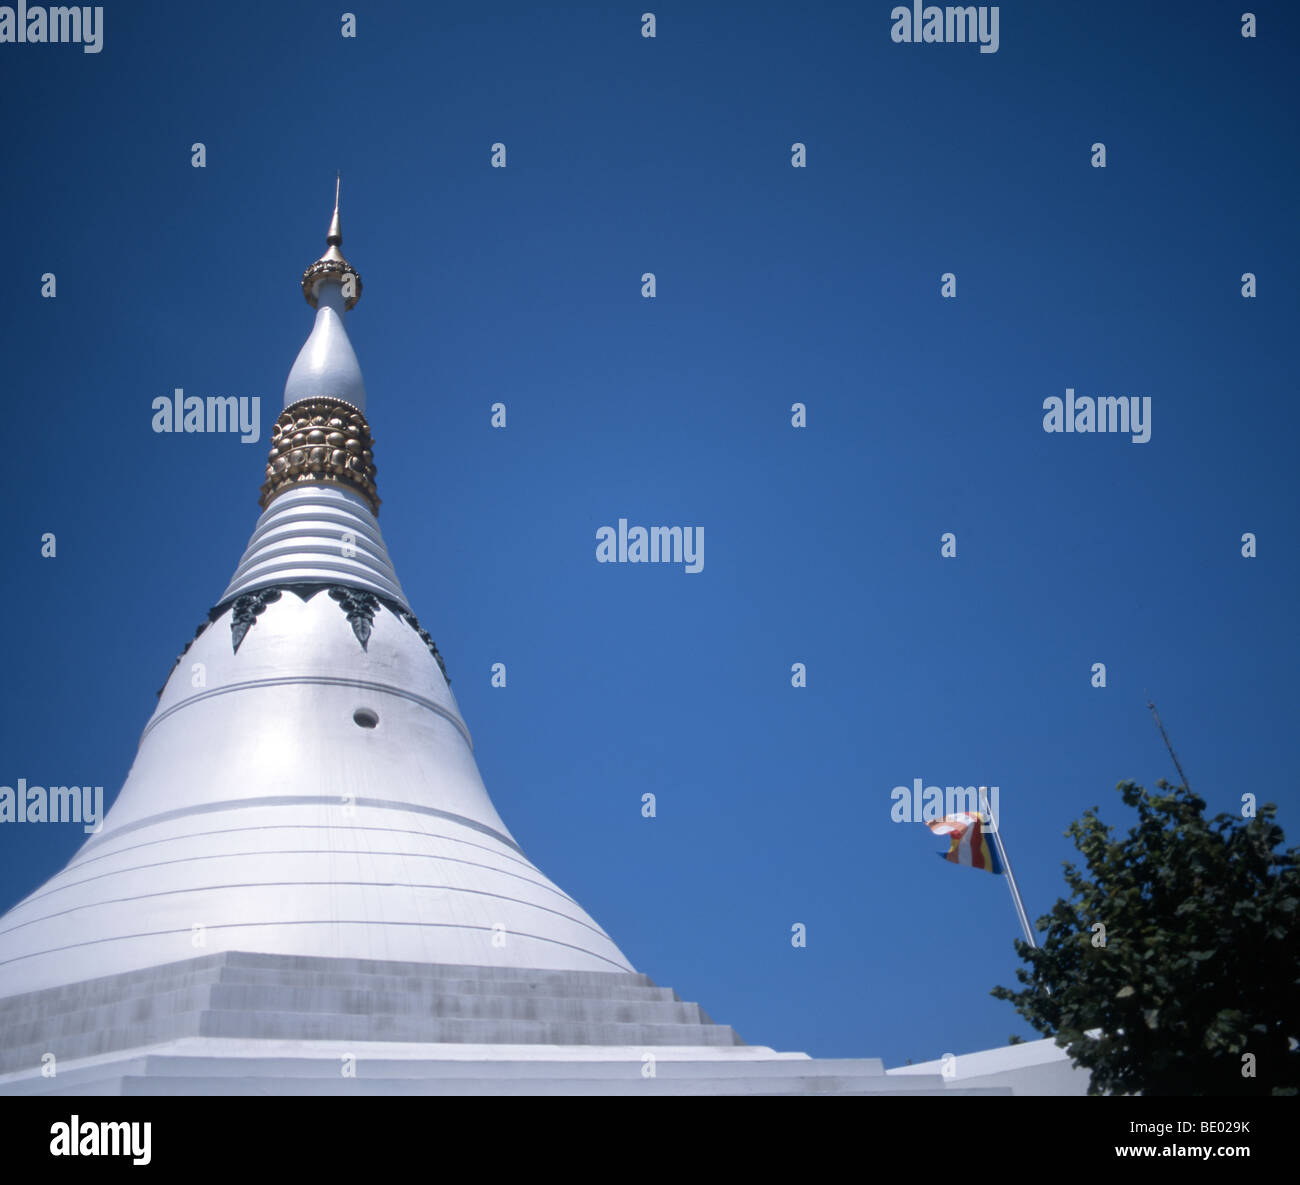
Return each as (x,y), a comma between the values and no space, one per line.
(1193,988)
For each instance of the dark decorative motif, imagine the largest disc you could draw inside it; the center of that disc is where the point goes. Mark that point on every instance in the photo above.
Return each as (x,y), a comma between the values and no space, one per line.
(359,605)
(412,621)
(321,440)
(360,608)
(246,610)
(202,626)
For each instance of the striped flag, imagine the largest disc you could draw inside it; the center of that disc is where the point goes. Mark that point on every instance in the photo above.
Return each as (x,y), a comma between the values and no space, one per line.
(970,843)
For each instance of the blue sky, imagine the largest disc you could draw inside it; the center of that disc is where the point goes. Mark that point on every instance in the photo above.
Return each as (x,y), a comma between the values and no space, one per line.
(775,285)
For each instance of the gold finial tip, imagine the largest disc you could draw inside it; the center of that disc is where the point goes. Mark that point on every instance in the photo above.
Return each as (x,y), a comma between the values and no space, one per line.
(335,236)
(332,262)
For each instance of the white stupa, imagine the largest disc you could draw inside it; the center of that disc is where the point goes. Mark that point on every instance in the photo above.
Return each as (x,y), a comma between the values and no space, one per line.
(304,866)
(306,785)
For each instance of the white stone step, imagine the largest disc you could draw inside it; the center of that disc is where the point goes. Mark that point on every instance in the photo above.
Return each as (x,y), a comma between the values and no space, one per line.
(471,1006)
(635,1086)
(430,970)
(455,985)
(33,1028)
(339,1026)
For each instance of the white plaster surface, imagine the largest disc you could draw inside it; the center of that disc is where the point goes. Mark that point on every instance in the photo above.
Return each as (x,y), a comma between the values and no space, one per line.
(258,816)
(327,365)
(1031,1067)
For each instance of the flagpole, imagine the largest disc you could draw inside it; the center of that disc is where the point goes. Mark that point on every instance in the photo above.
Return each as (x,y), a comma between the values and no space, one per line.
(1011,876)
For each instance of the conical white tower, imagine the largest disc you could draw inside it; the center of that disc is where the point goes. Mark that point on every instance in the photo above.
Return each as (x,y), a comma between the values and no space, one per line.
(306,785)
(304,866)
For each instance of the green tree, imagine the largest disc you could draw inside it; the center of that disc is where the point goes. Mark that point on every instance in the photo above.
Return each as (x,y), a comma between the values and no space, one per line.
(1193,986)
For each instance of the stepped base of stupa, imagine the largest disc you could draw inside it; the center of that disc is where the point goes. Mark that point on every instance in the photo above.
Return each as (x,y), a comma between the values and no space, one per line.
(238,1023)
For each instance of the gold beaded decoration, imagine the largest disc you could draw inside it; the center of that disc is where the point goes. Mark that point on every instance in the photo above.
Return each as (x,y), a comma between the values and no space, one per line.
(321,439)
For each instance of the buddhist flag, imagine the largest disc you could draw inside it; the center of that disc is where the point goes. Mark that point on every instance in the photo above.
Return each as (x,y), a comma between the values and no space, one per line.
(970,842)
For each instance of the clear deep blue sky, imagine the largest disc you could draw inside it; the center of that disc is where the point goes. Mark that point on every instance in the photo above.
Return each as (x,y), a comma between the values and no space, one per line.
(775,285)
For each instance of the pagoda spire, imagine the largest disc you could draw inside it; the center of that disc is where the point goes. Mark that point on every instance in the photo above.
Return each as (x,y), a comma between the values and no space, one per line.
(322,436)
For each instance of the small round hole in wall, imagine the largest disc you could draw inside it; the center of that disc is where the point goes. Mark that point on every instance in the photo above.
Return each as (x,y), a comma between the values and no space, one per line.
(365,718)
